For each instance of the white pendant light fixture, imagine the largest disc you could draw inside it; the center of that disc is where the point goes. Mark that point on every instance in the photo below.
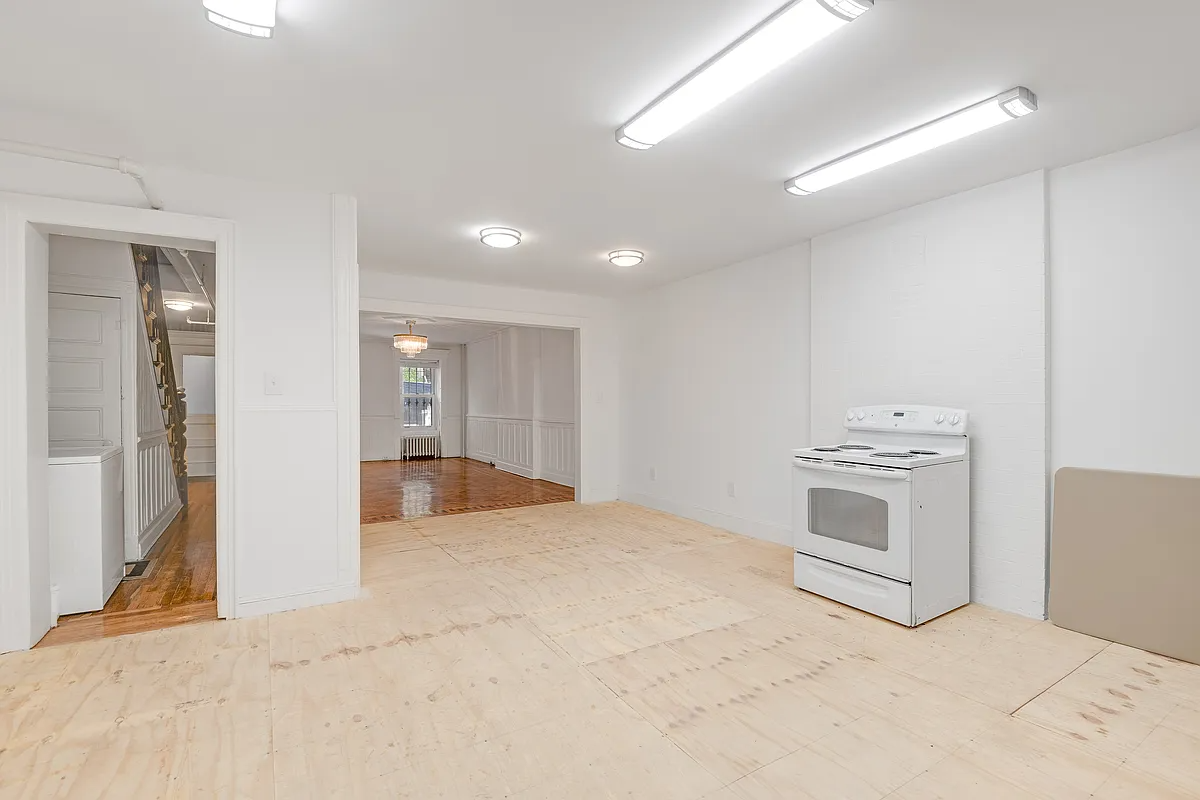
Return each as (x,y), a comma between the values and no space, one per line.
(179,305)
(248,17)
(626,258)
(789,31)
(410,343)
(1013,104)
(500,237)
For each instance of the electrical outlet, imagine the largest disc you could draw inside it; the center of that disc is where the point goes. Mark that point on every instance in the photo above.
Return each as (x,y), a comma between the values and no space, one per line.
(653,474)
(731,489)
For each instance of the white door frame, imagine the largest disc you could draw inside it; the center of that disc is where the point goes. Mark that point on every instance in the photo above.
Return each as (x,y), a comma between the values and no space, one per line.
(581,325)
(27,221)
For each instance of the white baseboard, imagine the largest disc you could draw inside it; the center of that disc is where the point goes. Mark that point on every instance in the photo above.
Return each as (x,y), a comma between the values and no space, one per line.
(515,469)
(148,537)
(767,531)
(561,479)
(256,607)
(597,495)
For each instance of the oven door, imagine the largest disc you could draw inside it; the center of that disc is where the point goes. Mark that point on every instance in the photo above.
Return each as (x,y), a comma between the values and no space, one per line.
(854,514)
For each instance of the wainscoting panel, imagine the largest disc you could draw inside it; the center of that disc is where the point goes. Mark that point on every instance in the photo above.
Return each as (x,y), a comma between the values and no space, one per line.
(544,450)
(201,445)
(377,438)
(158,495)
(516,448)
(481,439)
(556,451)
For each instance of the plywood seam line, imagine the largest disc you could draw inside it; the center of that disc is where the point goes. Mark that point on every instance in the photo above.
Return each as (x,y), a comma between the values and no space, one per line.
(115,163)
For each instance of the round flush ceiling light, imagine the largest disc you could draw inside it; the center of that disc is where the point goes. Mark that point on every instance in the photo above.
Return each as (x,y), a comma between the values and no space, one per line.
(500,237)
(626,258)
(179,305)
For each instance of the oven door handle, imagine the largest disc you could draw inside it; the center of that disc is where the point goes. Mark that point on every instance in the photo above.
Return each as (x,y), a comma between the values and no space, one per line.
(862,470)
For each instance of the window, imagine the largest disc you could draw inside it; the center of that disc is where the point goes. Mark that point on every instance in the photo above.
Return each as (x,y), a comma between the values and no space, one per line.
(418,395)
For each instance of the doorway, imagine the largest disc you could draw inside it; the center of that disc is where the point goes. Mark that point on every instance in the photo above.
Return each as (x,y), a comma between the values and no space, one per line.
(26,596)
(480,416)
(146,560)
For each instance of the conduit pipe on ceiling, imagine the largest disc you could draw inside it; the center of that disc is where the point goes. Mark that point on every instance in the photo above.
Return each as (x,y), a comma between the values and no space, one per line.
(187,259)
(122,165)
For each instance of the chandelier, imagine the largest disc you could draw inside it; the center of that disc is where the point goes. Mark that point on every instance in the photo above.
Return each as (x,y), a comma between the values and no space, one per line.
(410,343)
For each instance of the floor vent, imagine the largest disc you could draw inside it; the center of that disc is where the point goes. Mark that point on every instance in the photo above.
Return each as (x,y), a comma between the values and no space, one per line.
(136,569)
(421,447)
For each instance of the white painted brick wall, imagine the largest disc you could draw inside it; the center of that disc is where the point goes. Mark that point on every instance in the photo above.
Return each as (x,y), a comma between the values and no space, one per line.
(944,304)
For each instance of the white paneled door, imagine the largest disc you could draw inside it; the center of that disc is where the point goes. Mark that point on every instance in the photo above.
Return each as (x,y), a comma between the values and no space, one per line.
(84,370)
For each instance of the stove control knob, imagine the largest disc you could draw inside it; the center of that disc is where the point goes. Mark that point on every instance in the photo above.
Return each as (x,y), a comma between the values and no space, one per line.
(940,419)
(954,420)
(849,415)
(861,415)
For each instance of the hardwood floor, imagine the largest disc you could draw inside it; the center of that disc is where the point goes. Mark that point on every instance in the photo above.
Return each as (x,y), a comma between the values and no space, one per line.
(395,490)
(179,587)
(569,651)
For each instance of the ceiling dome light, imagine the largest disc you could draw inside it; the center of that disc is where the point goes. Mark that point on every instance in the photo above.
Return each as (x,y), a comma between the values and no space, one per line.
(179,305)
(410,343)
(500,237)
(248,17)
(626,258)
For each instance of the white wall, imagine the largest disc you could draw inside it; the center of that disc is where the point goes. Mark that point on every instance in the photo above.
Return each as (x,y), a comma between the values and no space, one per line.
(598,358)
(200,382)
(1124,320)
(382,418)
(288,554)
(377,400)
(944,304)
(112,261)
(521,402)
(715,391)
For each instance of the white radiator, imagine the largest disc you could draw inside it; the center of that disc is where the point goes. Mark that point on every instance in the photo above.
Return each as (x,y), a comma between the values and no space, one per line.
(421,446)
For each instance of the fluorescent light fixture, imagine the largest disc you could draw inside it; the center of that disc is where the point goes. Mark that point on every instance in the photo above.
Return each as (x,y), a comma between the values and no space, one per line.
(1013,104)
(500,237)
(626,258)
(789,31)
(247,17)
(179,305)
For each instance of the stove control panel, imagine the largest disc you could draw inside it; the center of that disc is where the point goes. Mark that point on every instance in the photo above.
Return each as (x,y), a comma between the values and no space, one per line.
(908,419)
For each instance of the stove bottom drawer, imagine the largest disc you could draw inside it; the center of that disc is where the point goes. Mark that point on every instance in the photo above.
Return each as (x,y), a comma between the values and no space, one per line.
(882,597)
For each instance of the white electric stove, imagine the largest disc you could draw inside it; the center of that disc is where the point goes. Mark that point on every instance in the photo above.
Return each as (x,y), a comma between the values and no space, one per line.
(881,522)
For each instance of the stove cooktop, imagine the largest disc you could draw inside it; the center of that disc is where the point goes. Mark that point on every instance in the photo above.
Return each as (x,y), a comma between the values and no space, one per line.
(897,456)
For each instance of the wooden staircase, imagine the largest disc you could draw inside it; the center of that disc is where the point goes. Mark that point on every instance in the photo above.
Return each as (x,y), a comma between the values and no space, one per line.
(174,404)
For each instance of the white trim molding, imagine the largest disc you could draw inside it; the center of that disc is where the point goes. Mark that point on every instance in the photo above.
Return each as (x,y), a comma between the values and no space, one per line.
(258,606)
(344,211)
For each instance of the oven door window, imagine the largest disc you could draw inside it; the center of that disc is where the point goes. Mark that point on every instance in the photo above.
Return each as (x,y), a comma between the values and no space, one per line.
(850,517)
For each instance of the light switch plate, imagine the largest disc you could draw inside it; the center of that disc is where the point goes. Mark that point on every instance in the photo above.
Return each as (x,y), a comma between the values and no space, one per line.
(271,384)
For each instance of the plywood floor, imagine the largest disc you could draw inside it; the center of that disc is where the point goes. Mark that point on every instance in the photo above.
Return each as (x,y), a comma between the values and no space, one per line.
(396,490)
(179,587)
(568,651)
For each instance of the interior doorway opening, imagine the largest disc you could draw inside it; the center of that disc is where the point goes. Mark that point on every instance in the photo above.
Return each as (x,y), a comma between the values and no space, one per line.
(480,415)
(131,437)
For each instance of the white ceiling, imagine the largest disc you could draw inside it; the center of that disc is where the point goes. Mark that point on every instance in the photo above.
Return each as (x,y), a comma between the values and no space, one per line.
(445,116)
(374,325)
